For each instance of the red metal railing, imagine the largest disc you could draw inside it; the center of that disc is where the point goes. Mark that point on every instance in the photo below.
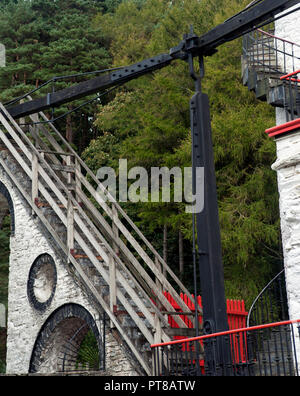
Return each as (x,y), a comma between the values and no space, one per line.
(237,316)
(292,105)
(277,38)
(269,54)
(236,312)
(267,350)
(289,76)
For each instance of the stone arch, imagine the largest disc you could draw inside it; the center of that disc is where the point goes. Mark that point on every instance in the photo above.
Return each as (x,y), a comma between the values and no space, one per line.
(58,343)
(6,203)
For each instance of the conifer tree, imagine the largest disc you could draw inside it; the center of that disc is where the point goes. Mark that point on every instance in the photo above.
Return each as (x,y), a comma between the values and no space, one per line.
(150,119)
(46,39)
(20,33)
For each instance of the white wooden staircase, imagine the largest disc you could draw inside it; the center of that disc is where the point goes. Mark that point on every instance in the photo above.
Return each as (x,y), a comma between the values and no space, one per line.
(105,252)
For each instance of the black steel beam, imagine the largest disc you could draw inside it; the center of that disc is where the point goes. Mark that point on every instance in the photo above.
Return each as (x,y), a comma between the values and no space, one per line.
(241,23)
(204,45)
(63,96)
(90,87)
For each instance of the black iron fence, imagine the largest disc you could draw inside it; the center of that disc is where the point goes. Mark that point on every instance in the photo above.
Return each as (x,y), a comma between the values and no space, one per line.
(271,303)
(265,350)
(267,62)
(82,350)
(269,54)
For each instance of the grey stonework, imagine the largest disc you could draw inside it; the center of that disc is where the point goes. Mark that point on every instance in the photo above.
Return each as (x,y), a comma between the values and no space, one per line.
(287,166)
(24,322)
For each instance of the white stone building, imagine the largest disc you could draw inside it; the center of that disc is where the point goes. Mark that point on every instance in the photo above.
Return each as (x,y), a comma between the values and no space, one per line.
(287,139)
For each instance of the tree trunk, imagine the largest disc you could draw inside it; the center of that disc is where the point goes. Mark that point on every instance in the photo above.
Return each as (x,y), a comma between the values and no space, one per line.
(84,142)
(181,260)
(69,129)
(165,247)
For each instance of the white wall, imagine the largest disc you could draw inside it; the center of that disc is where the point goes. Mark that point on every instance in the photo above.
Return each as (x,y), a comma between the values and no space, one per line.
(24,321)
(288,175)
(288,28)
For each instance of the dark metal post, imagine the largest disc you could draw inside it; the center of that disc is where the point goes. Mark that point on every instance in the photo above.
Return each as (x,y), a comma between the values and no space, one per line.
(208,231)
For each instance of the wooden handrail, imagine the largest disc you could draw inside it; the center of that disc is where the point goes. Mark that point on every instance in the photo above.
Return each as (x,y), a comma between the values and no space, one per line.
(123,214)
(26,150)
(44,175)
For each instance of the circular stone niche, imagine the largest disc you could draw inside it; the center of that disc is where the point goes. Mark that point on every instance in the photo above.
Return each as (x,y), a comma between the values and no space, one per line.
(42,282)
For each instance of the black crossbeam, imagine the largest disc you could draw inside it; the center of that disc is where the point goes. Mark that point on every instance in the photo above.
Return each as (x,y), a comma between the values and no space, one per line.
(204,45)
(90,87)
(242,23)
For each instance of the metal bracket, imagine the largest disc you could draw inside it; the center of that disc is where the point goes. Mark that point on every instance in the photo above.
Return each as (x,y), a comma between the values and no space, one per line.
(187,49)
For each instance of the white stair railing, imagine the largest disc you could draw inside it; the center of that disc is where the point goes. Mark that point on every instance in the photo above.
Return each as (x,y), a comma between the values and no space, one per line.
(52,167)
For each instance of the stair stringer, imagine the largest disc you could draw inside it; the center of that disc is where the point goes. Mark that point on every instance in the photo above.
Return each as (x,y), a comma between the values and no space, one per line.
(57,250)
(49,179)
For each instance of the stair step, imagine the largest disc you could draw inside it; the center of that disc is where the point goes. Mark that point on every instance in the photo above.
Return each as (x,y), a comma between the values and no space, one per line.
(84,256)
(267,70)
(134,314)
(56,153)
(276,96)
(266,52)
(60,168)
(260,49)
(252,80)
(261,89)
(264,39)
(43,204)
(264,63)
(261,43)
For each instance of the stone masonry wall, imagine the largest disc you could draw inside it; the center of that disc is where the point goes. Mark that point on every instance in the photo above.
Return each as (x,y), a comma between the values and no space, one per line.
(288,175)
(24,321)
(287,167)
(288,28)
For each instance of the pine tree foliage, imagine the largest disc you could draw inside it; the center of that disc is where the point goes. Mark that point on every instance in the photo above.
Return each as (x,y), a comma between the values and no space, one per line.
(150,120)
(46,39)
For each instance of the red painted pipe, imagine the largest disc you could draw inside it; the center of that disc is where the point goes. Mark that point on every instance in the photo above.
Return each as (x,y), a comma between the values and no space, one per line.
(290,75)
(259,327)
